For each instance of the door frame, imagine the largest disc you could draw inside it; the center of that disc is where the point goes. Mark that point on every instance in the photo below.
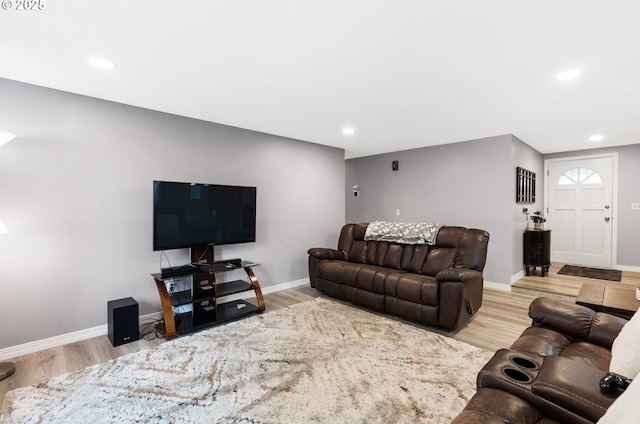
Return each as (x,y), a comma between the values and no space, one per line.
(614,201)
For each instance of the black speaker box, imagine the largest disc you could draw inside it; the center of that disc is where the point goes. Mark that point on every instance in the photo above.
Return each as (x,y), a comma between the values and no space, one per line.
(123,321)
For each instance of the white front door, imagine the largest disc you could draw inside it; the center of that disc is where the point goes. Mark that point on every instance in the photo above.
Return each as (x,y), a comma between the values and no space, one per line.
(580,206)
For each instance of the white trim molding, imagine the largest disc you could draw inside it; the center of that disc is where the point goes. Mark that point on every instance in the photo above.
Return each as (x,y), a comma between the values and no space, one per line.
(516,277)
(102,330)
(497,286)
(627,268)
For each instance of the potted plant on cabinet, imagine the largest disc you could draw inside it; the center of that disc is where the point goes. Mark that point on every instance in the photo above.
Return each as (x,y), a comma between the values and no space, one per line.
(538,220)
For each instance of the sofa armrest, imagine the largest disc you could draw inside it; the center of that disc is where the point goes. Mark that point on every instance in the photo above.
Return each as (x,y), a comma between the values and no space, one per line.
(574,386)
(325,253)
(576,321)
(460,296)
(316,254)
(461,275)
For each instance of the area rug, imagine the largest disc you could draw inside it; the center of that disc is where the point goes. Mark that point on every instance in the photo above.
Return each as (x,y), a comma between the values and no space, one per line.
(597,273)
(315,362)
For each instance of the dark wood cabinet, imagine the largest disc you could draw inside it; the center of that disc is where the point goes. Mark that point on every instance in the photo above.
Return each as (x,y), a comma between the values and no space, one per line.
(537,250)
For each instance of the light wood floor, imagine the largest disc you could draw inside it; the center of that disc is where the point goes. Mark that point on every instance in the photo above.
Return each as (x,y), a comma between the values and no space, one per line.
(500,320)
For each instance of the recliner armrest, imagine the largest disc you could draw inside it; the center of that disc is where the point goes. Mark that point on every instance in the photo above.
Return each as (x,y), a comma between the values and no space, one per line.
(326,253)
(574,386)
(576,320)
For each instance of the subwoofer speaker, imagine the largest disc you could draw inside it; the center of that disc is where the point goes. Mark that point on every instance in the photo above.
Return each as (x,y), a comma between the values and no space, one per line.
(123,321)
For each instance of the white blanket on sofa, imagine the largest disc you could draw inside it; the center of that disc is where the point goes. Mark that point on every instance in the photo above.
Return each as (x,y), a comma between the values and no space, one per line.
(403,232)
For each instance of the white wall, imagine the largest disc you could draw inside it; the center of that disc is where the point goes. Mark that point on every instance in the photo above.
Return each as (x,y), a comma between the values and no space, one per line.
(76,196)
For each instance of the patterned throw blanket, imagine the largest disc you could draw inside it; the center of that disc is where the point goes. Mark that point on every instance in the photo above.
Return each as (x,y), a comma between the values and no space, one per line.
(403,232)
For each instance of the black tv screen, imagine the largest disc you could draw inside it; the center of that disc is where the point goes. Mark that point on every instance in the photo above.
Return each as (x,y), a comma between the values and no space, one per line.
(188,214)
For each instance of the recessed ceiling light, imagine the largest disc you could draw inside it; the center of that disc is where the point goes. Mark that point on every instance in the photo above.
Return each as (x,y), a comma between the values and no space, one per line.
(568,75)
(6,137)
(597,137)
(348,131)
(101,63)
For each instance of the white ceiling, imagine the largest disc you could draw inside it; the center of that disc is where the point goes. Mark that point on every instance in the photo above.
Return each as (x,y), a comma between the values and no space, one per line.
(402,73)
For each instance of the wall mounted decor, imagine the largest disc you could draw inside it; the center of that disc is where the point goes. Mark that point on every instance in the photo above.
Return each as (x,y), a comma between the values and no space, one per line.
(525,186)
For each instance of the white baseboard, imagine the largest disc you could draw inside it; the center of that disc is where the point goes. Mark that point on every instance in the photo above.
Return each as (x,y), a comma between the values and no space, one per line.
(102,330)
(516,277)
(63,339)
(627,268)
(497,286)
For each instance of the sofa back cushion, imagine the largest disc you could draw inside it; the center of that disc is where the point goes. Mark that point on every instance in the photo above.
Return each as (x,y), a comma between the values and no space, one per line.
(455,247)
(351,243)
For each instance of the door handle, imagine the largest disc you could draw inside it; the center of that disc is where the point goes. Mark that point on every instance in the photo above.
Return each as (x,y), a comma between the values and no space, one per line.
(607,219)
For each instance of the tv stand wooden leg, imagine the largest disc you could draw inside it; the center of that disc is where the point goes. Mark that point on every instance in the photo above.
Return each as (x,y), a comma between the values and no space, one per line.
(167,310)
(256,285)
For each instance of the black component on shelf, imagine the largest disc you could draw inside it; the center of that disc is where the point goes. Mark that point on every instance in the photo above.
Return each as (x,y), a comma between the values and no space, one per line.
(184,321)
(178,271)
(215,267)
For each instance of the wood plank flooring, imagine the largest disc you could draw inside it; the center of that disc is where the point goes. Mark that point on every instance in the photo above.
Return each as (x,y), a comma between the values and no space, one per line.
(500,320)
(565,286)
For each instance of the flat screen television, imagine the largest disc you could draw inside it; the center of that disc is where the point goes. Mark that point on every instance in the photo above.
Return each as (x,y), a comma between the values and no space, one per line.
(189,214)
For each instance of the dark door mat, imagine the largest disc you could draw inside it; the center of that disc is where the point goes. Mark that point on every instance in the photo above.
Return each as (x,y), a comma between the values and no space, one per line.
(600,274)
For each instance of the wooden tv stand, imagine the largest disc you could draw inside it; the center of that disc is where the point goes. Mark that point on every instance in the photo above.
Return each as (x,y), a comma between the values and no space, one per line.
(190,302)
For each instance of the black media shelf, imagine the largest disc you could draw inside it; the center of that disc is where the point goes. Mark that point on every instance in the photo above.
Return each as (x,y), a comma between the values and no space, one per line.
(226,312)
(198,301)
(233,287)
(179,298)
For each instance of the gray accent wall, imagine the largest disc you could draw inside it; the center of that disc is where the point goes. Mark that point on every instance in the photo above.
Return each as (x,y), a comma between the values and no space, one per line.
(628,225)
(527,157)
(469,184)
(76,196)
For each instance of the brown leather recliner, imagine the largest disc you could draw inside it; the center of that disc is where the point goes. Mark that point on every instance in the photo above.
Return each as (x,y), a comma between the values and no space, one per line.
(552,371)
(438,285)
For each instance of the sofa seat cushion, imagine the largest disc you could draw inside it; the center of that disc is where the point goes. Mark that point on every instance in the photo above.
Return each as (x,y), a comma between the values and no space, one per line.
(422,289)
(372,278)
(329,270)
(588,354)
(362,276)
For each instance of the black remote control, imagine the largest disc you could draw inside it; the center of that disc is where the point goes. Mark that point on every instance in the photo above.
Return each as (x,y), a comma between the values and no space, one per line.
(612,382)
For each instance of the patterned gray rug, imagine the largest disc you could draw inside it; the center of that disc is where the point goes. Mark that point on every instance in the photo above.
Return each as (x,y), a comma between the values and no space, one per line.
(315,362)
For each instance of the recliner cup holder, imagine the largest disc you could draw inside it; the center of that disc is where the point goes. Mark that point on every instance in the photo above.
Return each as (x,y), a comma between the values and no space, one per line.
(516,375)
(524,363)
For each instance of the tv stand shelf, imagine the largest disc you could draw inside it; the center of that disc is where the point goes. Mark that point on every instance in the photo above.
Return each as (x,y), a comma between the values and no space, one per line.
(191,302)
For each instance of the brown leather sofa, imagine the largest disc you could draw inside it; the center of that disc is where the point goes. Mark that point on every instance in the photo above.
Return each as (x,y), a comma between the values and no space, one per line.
(552,371)
(438,285)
